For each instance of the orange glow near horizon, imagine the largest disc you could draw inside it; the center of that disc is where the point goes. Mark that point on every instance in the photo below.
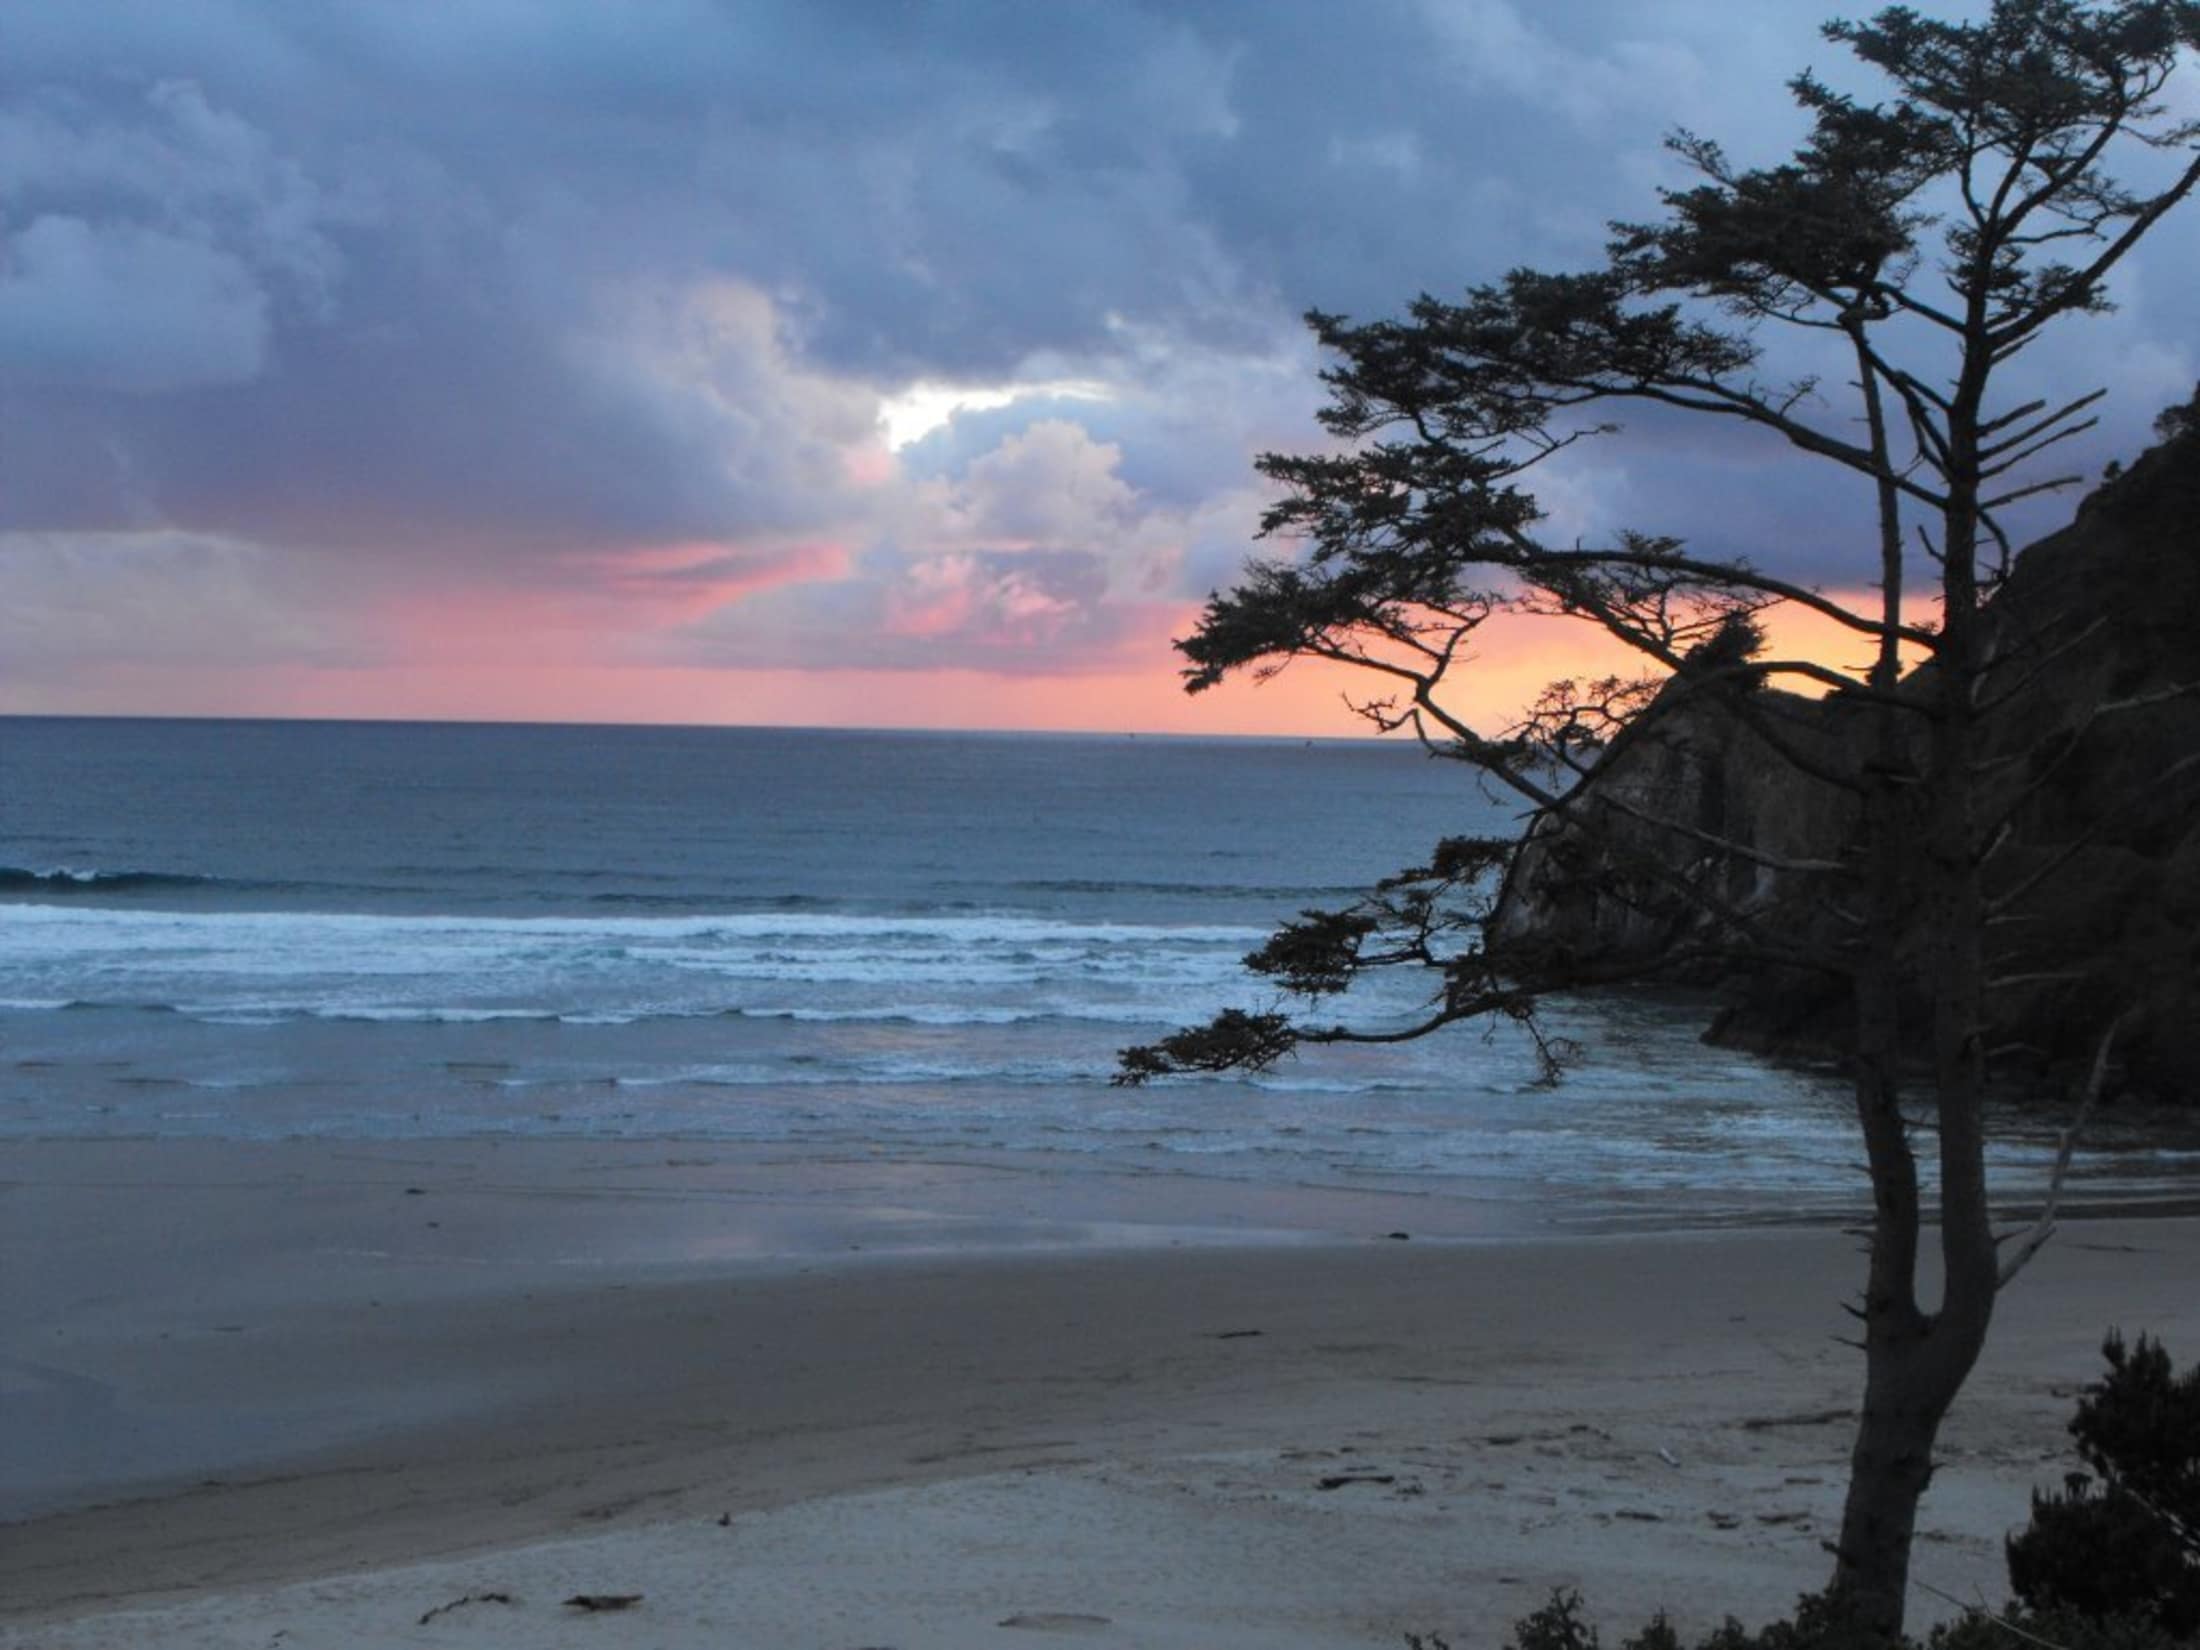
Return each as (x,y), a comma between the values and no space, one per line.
(480,662)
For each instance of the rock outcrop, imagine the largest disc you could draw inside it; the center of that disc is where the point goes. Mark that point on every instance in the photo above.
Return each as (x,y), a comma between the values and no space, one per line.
(2093,753)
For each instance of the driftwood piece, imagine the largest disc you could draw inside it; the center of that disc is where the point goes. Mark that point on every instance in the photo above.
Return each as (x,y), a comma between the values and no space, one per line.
(603,1601)
(461,1603)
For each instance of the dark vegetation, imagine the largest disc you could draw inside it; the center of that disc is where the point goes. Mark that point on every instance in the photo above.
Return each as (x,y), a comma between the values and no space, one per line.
(2110,1563)
(1908,251)
(1817,1625)
(2123,1538)
(2093,762)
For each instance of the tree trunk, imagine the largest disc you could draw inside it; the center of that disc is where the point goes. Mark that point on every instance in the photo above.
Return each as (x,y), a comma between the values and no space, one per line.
(1913,1372)
(1916,1362)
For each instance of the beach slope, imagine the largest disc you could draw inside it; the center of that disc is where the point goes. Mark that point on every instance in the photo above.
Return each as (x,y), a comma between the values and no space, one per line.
(1301,1438)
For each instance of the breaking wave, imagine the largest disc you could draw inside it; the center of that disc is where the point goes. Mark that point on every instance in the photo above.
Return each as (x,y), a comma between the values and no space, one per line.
(66,879)
(937,968)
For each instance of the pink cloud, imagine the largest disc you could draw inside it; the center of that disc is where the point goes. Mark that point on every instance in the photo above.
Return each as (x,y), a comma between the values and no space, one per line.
(605,603)
(988,604)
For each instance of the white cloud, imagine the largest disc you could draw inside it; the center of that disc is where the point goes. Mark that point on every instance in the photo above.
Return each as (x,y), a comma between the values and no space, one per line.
(1051,485)
(911,414)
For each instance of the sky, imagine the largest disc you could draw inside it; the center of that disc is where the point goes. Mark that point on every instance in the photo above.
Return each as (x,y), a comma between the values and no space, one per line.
(844,362)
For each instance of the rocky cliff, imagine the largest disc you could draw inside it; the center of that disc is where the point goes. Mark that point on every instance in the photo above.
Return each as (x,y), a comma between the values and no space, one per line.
(2093,753)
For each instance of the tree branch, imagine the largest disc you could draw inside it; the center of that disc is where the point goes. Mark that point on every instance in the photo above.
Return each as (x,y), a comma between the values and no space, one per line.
(2035,1237)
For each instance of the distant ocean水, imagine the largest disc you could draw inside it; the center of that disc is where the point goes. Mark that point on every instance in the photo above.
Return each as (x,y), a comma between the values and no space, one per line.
(913,942)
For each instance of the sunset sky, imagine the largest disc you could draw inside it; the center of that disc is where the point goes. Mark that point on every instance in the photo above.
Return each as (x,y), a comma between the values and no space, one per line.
(850,363)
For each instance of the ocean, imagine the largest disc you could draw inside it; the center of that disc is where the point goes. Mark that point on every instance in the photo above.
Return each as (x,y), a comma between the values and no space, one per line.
(913,943)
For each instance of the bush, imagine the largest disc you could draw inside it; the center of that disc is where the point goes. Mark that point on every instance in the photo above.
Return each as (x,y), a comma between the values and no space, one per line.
(2110,1562)
(2178,422)
(2123,1538)
(1819,1625)
(2017,1628)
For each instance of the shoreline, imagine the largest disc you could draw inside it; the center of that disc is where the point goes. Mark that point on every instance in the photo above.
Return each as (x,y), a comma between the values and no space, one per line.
(369,1409)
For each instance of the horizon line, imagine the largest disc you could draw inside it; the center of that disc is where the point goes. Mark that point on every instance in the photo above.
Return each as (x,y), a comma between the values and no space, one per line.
(704,727)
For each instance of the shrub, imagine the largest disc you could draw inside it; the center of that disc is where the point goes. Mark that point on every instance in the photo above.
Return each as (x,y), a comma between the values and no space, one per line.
(2123,1538)
(2017,1628)
(1819,1624)
(2109,1562)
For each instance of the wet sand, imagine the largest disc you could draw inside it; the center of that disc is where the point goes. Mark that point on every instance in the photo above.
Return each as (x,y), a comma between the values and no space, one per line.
(319,1390)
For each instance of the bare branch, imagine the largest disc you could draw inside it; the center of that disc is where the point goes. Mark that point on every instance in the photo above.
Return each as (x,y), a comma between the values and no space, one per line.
(2023,455)
(2146,701)
(2035,1237)
(2054,484)
(1994,450)
(1737,575)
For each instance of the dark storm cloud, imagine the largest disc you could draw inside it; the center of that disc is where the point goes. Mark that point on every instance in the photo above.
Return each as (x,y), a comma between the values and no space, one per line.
(929,191)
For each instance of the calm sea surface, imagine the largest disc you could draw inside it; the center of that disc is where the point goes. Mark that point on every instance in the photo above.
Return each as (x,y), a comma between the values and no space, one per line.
(899,941)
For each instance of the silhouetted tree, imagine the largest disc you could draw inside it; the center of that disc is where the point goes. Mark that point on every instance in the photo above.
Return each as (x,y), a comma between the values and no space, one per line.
(2177,422)
(1928,239)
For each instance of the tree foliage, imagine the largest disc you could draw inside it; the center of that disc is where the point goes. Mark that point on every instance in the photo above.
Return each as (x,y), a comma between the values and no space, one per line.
(2180,422)
(2124,1537)
(1820,1623)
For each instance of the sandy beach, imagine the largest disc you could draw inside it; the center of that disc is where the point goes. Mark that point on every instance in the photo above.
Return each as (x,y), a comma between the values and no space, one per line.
(353,1395)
